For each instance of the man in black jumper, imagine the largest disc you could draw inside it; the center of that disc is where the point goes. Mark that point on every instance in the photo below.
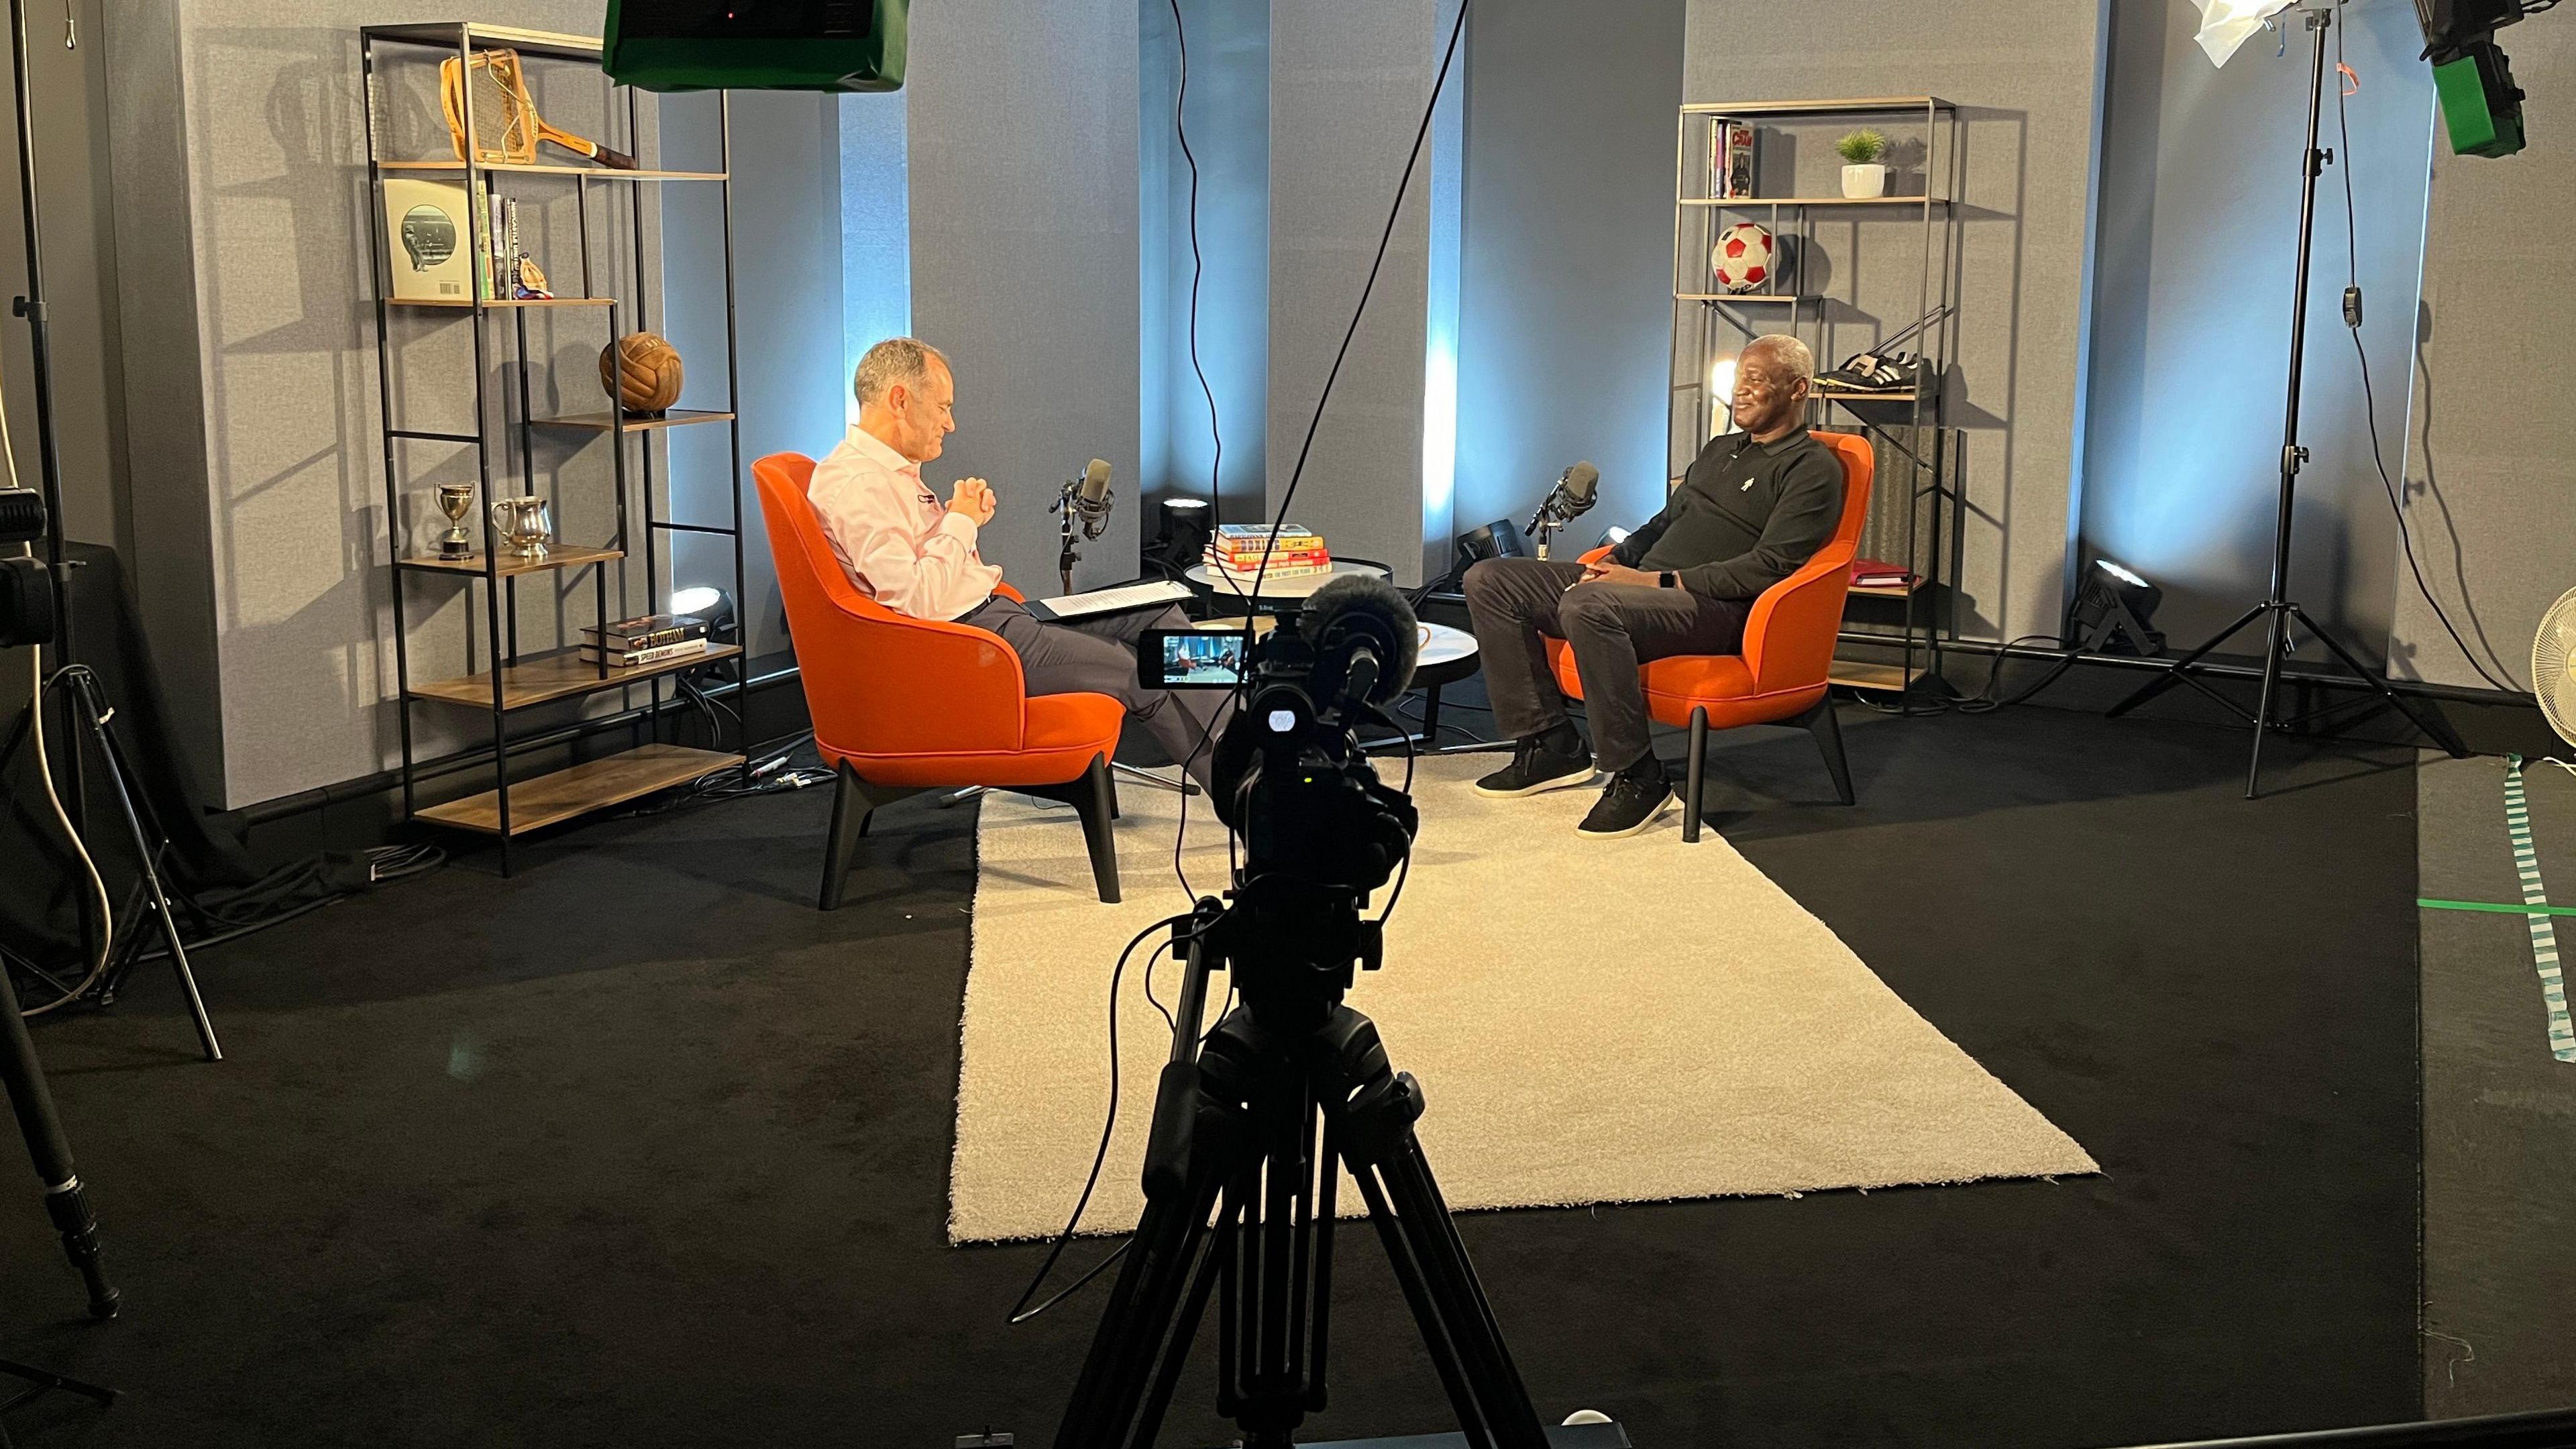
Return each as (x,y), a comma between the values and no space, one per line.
(1754,507)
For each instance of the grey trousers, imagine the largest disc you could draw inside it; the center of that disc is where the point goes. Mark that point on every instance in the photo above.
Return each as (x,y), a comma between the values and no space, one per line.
(1098,656)
(1514,604)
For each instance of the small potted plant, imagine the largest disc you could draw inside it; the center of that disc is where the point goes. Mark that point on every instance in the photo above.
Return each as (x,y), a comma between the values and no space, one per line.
(1863,175)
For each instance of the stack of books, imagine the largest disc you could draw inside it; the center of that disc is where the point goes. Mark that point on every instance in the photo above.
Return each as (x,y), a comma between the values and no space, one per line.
(1238,551)
(645,639)
(1873,573)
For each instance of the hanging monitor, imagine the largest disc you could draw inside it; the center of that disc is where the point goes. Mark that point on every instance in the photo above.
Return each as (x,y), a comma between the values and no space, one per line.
(756,45)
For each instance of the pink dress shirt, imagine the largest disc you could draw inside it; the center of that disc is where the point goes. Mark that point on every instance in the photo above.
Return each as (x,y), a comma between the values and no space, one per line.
(894,538)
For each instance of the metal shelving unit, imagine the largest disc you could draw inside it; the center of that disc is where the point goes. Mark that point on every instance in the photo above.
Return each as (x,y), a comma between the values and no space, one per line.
(1918,518)
(512,682)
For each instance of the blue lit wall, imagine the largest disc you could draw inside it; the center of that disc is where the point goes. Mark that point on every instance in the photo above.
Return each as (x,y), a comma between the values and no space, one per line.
(2191,328)
(1565,314)
(1229,123)
(876,227)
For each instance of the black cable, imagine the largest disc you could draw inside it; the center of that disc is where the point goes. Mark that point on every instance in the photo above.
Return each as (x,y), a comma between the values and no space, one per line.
(2370,404)
(1098,1158)
(1984,701)
(1198,265)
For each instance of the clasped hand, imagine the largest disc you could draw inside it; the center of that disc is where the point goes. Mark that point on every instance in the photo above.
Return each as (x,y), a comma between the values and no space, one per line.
(1603,571)
(974,498)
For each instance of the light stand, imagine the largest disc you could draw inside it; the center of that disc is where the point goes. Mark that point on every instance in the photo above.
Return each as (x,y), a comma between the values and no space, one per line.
(2278,610)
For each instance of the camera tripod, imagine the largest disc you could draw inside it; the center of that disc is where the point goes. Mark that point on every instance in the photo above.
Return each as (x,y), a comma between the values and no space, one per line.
(1240,1203)
(90,708)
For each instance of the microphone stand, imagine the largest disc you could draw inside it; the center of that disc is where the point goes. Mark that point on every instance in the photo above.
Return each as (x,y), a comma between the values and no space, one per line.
(1066,557)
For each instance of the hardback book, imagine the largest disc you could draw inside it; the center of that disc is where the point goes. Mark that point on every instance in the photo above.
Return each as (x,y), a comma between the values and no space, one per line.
(647,631)
(1276,557)
(1257,536)
(1272,574)
(1731,158)
(624,658)
(431,250)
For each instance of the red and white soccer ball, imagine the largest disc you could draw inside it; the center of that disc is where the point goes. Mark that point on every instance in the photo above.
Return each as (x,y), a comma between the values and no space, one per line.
(1742,258)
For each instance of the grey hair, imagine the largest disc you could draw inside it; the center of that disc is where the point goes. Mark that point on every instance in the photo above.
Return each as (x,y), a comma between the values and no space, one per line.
(1786,351)
(903,360)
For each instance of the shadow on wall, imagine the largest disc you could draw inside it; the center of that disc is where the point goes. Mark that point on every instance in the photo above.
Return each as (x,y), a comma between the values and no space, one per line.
(2440,564)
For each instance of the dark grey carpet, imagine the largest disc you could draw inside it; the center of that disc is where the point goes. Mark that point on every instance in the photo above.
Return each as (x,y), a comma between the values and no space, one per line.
(638,1148)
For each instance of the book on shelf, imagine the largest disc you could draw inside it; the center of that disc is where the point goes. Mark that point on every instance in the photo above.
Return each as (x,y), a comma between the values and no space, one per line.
(646,631)
(628,658)
(1280,559)
(429,251)
(1254,537)
(1273,574)
(1730,161)
(1875,573)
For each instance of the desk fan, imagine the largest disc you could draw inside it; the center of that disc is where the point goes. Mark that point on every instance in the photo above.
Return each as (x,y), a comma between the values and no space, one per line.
(2553,665)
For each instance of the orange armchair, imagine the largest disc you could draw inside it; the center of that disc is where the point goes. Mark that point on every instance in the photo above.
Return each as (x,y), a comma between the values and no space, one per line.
(1788,647)
(902,705)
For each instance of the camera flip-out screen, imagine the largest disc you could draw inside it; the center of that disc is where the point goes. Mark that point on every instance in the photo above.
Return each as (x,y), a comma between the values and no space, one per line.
(1189,659)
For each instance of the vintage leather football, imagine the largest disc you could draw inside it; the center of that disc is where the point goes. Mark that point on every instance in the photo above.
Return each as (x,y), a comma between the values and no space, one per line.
(643,371)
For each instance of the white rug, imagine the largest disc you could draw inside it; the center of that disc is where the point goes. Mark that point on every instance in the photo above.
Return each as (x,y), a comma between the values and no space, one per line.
(1591,1021)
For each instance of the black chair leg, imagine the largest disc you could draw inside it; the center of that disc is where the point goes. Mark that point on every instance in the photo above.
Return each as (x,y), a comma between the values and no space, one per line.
(851,808)
(1828,731)
(1695,776)
(1097,799)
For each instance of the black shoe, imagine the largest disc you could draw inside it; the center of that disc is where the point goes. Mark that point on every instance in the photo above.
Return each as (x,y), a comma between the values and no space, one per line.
(1543,762)
(1631,802)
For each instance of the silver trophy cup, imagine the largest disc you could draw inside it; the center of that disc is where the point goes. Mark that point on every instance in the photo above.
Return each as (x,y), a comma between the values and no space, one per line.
(525,524)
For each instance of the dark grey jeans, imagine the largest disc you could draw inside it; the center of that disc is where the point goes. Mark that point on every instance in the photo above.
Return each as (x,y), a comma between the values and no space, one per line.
(1516,603)
(1098,656)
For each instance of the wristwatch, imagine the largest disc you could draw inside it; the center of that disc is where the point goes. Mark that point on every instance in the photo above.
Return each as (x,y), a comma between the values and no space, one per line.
(1668,580)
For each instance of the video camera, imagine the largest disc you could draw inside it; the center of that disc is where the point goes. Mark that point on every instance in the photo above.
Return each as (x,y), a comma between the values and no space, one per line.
(1320,829)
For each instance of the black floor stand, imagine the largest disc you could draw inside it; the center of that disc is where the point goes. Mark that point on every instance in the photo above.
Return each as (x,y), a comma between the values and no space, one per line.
(1240,1192)
(40,1383)
(2278,611)
(89,708)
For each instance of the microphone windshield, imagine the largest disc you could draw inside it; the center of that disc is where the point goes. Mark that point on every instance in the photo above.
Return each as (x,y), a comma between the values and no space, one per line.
(1095,482)
(1361,611)
(1579,483)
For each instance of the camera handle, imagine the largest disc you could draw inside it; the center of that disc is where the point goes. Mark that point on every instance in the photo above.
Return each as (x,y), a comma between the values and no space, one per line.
(1234,1201)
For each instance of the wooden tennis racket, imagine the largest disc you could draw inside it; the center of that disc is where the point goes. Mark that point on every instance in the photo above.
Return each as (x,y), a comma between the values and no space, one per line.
(507,127)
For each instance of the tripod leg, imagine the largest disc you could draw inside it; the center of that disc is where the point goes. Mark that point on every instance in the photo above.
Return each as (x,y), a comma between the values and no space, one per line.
(151,876)
(2276,637)
(2173,676)
(2433,725)
(66,1202)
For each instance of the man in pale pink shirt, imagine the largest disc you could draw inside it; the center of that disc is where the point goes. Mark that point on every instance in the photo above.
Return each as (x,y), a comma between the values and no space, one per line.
(904,548)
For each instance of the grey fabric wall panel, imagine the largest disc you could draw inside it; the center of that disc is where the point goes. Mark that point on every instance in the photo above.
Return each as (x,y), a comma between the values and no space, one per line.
(276,452)
(1023,136)
(2488,462)
(2026,73)
(1348,82)
(788,303)
(2200,219)
(1567,309)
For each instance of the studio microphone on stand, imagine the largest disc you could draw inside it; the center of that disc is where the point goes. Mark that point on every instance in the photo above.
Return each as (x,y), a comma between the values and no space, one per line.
(1569,499)
(1087,496)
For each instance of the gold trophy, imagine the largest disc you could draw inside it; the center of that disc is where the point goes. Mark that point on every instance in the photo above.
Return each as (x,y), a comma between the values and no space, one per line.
(456,500)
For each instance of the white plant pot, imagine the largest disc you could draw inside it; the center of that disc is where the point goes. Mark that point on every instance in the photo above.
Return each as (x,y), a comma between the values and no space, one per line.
(1862,182)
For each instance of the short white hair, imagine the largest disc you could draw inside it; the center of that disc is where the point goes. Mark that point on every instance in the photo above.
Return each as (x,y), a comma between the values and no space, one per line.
(1785,351)
(903,360)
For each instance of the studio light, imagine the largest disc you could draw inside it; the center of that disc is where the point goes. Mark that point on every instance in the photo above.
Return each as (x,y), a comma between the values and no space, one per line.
(709,603)
(2115,605)
(2224,24)
(1184,536)
(1498,539)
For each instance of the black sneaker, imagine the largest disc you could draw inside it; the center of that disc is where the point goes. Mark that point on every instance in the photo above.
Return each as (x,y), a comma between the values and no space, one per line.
(1631,802)
(1539,764)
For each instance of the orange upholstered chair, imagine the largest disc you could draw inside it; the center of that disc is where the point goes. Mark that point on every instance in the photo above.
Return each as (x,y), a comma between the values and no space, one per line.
(902,705)
(1788,647)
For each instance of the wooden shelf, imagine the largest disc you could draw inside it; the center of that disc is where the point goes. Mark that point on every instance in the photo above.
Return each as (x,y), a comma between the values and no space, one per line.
(539,168)
(460,306)
(592,785)
(547,43)
(555,558)
(1892,678)
(1828,394)
(556,674)
(1819,108)
(635,422)
(1740,297)
(1758,203)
